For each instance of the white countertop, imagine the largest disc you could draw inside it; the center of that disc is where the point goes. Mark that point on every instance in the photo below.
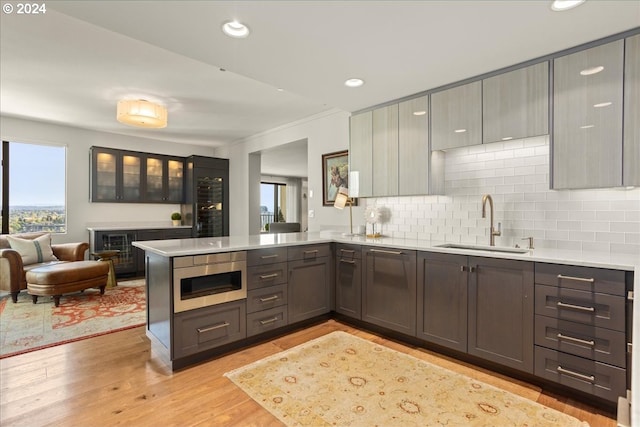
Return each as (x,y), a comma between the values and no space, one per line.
(627,262)
(183,247)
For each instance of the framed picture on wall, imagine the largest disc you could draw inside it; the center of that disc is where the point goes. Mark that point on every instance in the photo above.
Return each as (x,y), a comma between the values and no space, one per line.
(335,174)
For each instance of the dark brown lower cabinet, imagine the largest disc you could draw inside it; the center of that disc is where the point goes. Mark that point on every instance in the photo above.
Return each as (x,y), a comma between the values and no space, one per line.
(389,288)
(501,307)
(442,299)
(348,280)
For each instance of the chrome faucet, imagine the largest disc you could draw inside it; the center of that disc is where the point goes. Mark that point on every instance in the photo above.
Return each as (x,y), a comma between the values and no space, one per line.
(492,231)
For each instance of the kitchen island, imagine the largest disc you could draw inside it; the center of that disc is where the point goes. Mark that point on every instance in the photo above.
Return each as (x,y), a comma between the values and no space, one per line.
(614,279)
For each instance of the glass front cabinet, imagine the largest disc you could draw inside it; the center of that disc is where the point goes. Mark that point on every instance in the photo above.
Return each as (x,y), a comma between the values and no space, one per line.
(129,176)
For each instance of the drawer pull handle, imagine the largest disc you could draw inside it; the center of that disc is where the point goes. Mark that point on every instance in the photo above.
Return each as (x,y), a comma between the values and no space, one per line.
(267,321)
(348,261)
(578,340)
(268,276)
(575,307)
(273,298)
(213,328)
(589,378)
(348,251)
(380,251)
(311,252)
(269,256)
(577,279)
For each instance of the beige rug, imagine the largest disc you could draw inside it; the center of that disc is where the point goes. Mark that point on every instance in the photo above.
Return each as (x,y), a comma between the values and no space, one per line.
(343,380)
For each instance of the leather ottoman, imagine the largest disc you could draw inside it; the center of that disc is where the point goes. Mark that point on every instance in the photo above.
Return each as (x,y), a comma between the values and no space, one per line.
(61,278)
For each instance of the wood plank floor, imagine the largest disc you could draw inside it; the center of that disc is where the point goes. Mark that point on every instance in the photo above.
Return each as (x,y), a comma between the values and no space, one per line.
(115,380)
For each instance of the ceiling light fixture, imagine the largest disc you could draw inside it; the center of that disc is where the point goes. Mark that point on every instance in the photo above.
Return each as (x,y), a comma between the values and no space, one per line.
(592,70)
(562,5)
(235,29)
(142,113)
(354,82)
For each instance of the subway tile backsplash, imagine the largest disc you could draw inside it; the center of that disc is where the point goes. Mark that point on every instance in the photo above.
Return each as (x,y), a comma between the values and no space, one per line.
(516,174)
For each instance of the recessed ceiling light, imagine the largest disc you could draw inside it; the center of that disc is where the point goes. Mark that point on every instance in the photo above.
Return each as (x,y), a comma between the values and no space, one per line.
(460,130)
(602,104)
(592,70)
(562,5)
(235,29)
(354,82)
(419,113)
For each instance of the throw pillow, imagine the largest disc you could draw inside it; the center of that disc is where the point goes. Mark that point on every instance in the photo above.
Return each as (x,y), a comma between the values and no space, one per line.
(33,251)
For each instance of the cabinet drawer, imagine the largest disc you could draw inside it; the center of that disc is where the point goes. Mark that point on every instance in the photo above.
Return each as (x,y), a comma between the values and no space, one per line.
(177,233)
(265,298)
(348,251)
(602,345)
(266,320)
(209,327)
(598,379)
(266,275)
(308,252)
(266,256)
(581,278)
(590,308)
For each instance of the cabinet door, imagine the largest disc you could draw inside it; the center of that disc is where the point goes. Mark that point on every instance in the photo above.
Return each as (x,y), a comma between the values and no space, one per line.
(413,147)
(119,240)
(174,184)
(115,176)
(349,281)
(389,289)
(630,168)
(501,312)
(456,117)
(516,104)
(587,118)
(385,151)
(309,288)
(154,178)
(442,299)
(360,151)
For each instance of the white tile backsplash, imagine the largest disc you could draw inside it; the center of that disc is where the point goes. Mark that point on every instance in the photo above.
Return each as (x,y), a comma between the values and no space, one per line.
(516,174)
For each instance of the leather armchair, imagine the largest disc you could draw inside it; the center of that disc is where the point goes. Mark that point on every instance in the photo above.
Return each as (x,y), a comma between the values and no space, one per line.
(13,271)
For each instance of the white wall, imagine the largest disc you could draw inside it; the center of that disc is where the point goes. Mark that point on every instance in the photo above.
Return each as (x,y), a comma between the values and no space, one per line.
(80,212)
(325,133)
(516,174)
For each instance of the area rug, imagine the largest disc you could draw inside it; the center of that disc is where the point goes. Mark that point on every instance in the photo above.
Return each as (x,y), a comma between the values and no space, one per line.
(25,326)
(343,380)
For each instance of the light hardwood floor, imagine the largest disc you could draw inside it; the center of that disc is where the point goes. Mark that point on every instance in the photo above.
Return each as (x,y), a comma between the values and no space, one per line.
(115,380)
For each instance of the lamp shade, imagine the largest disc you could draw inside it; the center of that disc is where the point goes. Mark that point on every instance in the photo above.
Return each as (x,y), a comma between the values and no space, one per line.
(341,200)
(142,113)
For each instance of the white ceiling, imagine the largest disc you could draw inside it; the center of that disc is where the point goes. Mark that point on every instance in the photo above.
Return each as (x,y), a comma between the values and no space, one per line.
(72,64)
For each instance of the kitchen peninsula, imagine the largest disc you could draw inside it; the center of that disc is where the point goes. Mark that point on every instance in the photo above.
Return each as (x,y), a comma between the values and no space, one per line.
(553,316)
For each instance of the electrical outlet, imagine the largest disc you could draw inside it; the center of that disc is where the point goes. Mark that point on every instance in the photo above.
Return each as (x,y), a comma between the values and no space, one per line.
(312,213)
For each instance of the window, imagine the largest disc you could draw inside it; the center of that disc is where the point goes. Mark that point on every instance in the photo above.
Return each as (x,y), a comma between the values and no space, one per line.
(33,188)
(273,203)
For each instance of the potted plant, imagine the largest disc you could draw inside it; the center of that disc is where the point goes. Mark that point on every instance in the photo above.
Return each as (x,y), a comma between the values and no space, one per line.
(176,218)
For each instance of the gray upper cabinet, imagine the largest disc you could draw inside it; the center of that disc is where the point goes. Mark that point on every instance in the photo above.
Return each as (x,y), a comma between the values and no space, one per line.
(385,151)
(587,118)
(456,117)
(516,104)
(631,155)
(413,147)
(360,153)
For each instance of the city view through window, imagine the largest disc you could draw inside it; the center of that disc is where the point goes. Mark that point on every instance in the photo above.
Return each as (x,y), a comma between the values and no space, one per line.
(37,188)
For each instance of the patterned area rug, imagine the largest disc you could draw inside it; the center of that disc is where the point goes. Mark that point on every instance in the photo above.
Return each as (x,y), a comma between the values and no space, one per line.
(343,380)
(25,326)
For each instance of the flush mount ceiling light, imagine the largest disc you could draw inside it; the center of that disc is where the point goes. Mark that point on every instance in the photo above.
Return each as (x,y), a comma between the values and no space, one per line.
(354,82)
(235,29)
(562,5)
(142,113)
(592,70)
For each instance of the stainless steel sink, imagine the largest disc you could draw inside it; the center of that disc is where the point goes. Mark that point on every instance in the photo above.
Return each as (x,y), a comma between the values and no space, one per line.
(484,248)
